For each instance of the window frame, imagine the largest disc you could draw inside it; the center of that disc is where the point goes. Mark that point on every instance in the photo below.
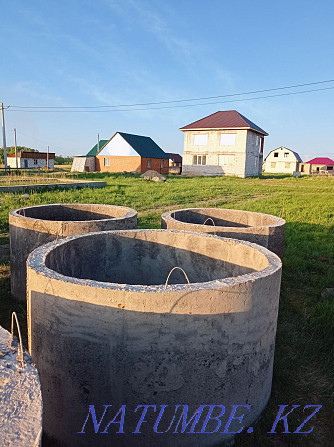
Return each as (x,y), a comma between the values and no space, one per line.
(199,159)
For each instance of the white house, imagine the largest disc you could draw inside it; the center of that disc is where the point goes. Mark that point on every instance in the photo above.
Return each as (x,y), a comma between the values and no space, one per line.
(282,160)
(224,143)
(28,160)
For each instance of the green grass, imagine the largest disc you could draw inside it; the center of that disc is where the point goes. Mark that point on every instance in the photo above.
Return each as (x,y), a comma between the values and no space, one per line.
(303,369)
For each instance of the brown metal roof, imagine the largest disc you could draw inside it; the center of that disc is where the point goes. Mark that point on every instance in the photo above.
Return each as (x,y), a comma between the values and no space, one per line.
(175,157)
(40,155)
(229,119)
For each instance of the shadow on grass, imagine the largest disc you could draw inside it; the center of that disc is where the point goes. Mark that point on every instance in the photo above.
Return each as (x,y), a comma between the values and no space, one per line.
(101,175)
(9,305)
(275,176)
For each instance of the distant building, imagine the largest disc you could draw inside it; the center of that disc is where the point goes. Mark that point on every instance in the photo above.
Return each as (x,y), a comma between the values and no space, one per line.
(86,163)
(282,160)
(224,143)
(318,165)
(175,163)
(27,160)
(127,152)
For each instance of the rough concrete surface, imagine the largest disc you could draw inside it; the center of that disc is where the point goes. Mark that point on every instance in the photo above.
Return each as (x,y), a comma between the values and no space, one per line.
(104,330)
(262,229)
(20,398)
(36,225)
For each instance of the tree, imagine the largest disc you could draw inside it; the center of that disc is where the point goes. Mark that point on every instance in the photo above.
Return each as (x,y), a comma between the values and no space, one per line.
(59,160)
(11,150)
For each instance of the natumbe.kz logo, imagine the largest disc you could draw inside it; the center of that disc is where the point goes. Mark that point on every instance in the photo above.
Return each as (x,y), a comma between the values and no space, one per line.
(205,419)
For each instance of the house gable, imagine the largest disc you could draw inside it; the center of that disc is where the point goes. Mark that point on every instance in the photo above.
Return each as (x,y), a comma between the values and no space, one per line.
(283,154)
(118,146)
(124,144)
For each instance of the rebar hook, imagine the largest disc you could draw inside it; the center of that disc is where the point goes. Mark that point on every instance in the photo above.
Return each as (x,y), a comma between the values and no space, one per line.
(19,357)
(209,218)
(175,268)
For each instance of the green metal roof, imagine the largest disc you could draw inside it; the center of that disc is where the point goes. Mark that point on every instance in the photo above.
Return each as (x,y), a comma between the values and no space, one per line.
(94,150)
(144,146)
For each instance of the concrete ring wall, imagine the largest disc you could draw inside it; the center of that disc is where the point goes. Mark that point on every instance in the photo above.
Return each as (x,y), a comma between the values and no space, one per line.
(34,226)
(104,330)
(20,398)
(259,228)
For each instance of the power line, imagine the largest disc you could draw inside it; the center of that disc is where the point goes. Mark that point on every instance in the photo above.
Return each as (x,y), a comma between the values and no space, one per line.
(174,106)
(177,101)
(42,141)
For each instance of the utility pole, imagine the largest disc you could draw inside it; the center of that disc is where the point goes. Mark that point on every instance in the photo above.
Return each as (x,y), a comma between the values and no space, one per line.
(17,165)
(47,159)
(4,135)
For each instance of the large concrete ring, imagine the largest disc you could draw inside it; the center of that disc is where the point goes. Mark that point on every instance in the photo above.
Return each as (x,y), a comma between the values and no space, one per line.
(34,226)
(105,330)
(20,397)
(262,229)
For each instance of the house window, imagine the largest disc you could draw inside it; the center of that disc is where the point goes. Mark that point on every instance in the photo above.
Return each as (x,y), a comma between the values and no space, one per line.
(273,165)
(286,154)
(199,160)
(227,139)
(302,168)
(161,164)
(275,154)
(106,161)
(201,140)
(35,162)
(149,163)
(287,165)
(261,145)
(329,168)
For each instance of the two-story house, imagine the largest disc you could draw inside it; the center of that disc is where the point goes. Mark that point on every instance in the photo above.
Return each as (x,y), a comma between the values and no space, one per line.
(282,160)
(224,143)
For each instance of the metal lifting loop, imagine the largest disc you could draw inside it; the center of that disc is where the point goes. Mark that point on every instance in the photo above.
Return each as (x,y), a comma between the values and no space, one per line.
(175,268)
(19,357)
(209,218)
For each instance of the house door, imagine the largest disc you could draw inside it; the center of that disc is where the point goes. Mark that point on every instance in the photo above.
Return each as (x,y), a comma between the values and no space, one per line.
(25,164)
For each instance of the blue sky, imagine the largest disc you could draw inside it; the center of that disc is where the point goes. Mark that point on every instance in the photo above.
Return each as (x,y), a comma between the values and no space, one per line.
(113,52)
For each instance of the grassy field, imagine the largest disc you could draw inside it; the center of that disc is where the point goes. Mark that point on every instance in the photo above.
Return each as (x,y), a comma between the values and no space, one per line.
(303,370)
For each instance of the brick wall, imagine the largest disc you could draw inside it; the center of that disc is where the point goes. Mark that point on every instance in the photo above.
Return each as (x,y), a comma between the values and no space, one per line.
(240,159)
(236,153)
(155,165)
(118,163)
